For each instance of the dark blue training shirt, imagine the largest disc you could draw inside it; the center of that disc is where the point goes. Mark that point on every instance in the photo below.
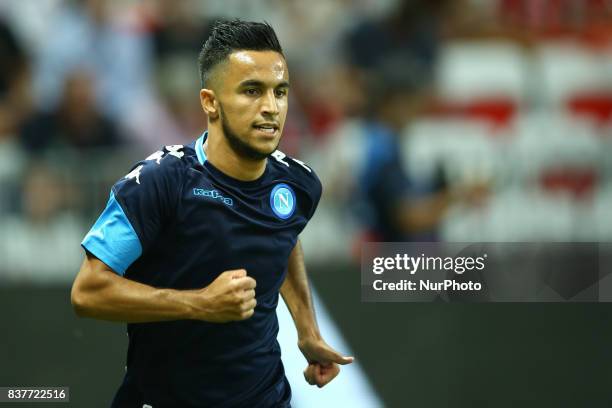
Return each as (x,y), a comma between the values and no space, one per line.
(176,221)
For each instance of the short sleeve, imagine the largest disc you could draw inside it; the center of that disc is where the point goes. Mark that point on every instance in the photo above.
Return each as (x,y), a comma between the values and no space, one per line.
(138,207)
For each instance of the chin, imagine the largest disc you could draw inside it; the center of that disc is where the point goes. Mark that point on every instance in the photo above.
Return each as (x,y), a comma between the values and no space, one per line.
(268,150)
(265,146)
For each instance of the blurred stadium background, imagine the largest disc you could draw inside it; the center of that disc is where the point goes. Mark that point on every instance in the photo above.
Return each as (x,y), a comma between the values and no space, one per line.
(458,120)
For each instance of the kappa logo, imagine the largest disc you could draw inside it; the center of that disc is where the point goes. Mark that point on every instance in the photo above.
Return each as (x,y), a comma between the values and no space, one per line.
(172,150)
(157,156)
(135,174)
(282,201)
(280,157)
(213,194)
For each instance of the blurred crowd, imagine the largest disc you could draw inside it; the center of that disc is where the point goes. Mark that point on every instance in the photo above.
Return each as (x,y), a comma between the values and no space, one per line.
(460,120)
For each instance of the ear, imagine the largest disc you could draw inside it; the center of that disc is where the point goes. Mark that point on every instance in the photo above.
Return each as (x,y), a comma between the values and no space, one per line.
(208,100)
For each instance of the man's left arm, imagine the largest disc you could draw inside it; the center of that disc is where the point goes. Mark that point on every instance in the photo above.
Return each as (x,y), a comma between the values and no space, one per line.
(322,359)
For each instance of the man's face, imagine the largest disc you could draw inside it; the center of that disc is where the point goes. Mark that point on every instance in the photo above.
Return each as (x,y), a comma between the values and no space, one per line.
(252,91)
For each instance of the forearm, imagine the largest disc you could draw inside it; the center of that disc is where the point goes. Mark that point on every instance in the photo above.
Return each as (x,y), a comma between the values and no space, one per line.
(102,294)
(296,294)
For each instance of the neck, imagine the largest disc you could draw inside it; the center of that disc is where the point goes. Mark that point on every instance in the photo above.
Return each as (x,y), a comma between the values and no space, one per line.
(223,157)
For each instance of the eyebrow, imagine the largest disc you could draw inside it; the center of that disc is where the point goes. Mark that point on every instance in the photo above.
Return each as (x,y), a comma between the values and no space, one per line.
(254,82)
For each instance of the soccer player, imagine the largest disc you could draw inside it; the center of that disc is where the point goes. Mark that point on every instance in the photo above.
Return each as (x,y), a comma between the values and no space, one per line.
(196,242)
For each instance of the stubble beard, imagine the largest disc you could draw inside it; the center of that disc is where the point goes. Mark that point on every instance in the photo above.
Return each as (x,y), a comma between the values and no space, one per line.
(239,146)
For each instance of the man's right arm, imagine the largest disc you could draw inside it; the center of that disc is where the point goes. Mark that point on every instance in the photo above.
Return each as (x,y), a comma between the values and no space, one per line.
(100,293)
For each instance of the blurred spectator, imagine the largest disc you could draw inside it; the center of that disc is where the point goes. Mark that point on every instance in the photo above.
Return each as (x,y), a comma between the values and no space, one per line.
(411,30)
(13,70)
(391,59)
(76,122)
(14,103)
(396,209)
(178,34)
(86,36)
(31,21)
(176,29)
(39,244)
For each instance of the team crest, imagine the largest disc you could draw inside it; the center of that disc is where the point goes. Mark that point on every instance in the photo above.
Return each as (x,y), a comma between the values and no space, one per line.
(282,201)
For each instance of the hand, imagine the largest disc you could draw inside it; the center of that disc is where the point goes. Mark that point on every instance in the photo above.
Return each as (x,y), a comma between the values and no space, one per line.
(228,298)
(322,361)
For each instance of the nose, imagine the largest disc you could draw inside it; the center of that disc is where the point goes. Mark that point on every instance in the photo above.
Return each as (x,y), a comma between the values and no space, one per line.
(270,104)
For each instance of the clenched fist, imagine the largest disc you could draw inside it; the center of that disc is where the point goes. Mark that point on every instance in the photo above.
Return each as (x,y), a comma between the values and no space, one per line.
(228,298)
(323,361)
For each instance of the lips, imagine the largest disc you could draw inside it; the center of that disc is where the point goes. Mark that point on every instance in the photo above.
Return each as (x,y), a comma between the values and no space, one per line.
(269,128)
(266,130)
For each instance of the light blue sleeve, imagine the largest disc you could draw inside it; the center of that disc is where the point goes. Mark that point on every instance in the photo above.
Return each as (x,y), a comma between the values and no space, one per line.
(112,239)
